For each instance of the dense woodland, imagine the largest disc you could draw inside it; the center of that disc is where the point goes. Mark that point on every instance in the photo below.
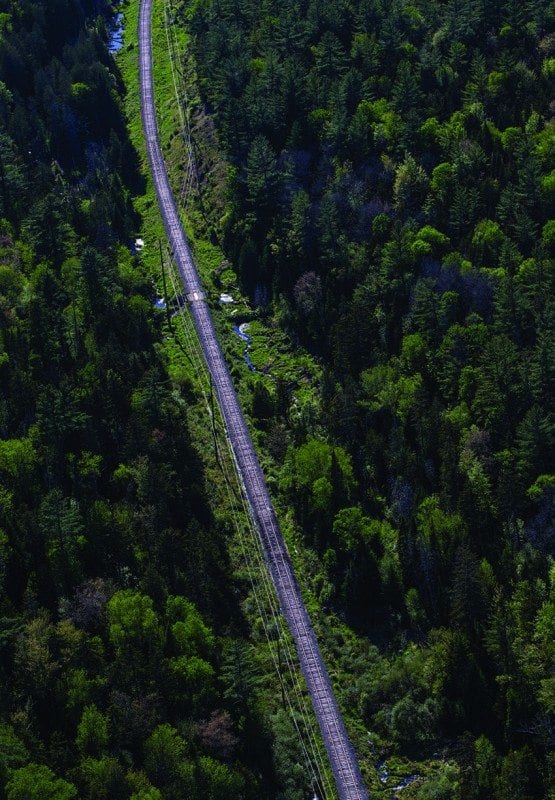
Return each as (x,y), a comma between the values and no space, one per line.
(119,677)
(388,194)
(388,197)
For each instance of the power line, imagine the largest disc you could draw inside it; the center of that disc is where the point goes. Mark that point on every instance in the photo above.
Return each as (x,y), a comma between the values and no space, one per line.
(341,755)
(314,760)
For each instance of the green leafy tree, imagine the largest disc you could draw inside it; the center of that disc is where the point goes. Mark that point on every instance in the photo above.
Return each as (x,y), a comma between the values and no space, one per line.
(13,753)
(166,754)
(218,780)
(410,185)
(261,173)
(487,240)
(38,782)
(444,786)
(147,794)
(132,621)
(320,480)
(102,778)
(191,633)
(92,732)
(518,776)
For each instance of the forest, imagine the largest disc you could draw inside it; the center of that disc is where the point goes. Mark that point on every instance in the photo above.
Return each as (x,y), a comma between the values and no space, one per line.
(121,655)
(387,200)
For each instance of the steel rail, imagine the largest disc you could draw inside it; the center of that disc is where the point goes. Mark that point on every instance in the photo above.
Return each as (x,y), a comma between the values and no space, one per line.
(340,752)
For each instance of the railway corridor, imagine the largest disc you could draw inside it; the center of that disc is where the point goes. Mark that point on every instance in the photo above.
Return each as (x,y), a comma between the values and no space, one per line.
(342,758)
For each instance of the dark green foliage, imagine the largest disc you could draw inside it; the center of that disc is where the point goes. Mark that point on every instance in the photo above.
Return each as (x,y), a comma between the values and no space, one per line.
(35,782)
(391,187)
(114,582)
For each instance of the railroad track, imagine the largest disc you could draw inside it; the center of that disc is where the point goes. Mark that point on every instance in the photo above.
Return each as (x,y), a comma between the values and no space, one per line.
(338,747)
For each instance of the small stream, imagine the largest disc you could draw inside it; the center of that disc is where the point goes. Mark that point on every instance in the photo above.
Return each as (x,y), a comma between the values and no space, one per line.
(383,775)
(381,769)
(115,34)
(405,782)
(241,332)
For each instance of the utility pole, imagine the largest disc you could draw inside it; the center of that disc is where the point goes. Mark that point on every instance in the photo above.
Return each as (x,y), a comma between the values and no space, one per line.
(166,299)
(280,673)
(213,419)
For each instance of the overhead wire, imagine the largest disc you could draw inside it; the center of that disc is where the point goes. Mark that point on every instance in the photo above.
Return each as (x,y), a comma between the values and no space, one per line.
(340,752)
(314,760)
(315,757)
